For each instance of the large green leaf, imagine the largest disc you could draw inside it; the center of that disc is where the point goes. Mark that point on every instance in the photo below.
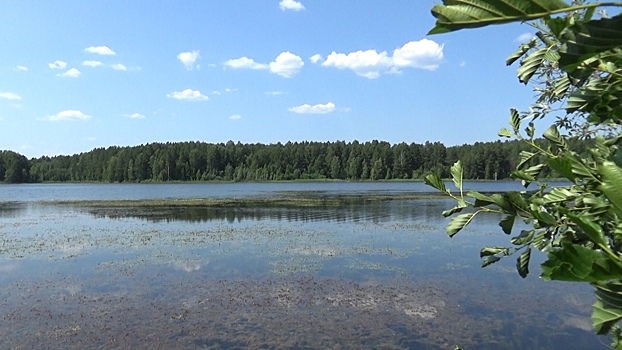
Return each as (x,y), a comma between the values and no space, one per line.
(522,263)
(607,310)
(585,40)
(576,263)
(456,175)
(507,223)
(436,182)
(458,223)
(612,185)
(462,14)
(530,64)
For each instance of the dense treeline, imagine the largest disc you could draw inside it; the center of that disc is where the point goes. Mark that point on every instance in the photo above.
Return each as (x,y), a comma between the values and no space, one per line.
(199,161)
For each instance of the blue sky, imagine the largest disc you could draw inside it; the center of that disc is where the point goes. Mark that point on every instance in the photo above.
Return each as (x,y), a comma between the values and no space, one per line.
(76,75)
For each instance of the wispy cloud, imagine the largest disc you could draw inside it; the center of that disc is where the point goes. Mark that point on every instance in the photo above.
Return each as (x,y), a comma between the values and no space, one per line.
(10,96)
(275,93)
(235,117)
(423,54)
(291,5)
(58,64)
(189,58)
(92,63)
(100,50)
(119,66)
(135,116)
(188,95)
(70,114)
(231,90)
(245,63)
(71,73)
(315,109)
(524,38)
(21,68)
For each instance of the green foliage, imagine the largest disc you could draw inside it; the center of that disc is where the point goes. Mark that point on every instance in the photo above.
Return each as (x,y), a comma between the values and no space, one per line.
(575,66)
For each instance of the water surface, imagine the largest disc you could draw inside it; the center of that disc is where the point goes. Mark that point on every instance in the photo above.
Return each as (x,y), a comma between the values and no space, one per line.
(372,275)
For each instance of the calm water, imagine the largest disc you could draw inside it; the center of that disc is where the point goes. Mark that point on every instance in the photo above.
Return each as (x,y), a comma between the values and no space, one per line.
(375,275)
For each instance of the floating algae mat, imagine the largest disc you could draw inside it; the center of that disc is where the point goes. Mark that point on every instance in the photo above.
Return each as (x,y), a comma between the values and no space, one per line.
(361,274)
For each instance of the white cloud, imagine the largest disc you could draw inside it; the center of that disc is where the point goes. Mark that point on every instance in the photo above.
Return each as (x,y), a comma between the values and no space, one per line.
(10,96)
(100,50)
(316,109)
(275,93)
(135,116)
(235,117)
(462,63)
(231,90)
(67,115)
(286,64)
(316,58)
(119,66)
(368,63)
(71,73)
(291,5)
(524,38)
(216,92)
(422,54)
(245,63)
(58,64)
(22,68)
(189,58)
(92,63)
(188,95)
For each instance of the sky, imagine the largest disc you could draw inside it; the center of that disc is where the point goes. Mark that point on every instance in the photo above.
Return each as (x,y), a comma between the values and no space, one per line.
(78,75)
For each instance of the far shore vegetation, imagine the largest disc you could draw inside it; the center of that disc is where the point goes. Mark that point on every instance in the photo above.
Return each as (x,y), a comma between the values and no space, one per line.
(292,161)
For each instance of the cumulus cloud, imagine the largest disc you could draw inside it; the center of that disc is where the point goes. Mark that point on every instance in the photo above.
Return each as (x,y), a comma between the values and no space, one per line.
(92,63)
(67,115)
(10,96)
(58,64)
(71,73)
(100,50)
(189,58)
(119,66)
(22,68)
(245,63)
(135,116)
(422,54)
(188,95)
(235,117)
(292,5)
(524,38)
(286,64)
(316,58)
(315,109)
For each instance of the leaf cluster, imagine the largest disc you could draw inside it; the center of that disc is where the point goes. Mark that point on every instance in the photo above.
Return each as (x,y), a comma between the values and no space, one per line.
(574,63)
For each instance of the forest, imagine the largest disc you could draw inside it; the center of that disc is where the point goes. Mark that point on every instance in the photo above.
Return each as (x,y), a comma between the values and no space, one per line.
(200,161)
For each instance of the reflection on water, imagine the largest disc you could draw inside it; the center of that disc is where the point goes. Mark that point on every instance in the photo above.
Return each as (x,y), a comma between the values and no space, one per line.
(376,275)
(386,211)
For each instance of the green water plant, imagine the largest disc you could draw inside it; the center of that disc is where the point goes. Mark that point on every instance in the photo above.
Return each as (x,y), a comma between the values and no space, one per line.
(574,64)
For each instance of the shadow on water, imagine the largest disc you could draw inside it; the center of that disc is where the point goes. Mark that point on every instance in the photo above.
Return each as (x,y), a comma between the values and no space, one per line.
(383,211)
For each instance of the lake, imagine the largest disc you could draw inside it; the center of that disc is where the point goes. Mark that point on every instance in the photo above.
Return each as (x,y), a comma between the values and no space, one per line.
(370,275)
